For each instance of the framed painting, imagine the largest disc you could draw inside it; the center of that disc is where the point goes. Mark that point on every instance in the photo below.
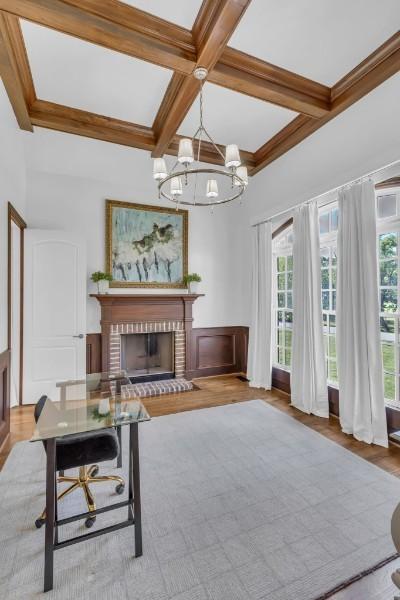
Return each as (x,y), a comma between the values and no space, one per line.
(146,246)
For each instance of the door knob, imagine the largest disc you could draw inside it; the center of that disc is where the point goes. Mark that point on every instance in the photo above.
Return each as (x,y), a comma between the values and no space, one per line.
(80,336)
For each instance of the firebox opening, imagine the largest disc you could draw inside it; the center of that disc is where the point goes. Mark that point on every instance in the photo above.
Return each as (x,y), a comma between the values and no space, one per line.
(148,356)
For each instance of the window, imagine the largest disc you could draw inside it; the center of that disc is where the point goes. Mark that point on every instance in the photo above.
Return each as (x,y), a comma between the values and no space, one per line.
(282,301)
(388,255)
(328,224)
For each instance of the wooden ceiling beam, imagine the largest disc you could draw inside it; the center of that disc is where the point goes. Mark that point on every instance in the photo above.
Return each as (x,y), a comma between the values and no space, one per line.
(87,124)
(369,74)
(214,26)
(15,71)
(113,25)
(123,28)
(249,75)
(80,122)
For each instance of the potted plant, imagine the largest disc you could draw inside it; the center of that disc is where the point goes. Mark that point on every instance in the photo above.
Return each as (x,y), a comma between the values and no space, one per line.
(191,281)
(102,280)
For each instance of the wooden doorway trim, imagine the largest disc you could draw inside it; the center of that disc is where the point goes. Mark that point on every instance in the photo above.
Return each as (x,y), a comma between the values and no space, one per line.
(15,217)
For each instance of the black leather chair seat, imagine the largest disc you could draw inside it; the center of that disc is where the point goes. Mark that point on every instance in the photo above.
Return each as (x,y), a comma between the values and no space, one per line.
(86,448)
(80,449)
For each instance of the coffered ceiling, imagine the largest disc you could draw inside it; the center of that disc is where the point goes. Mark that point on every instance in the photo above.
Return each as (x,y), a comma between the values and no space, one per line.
(278,71)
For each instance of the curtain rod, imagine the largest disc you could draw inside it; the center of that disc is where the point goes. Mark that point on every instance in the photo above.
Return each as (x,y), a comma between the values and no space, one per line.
(331,191)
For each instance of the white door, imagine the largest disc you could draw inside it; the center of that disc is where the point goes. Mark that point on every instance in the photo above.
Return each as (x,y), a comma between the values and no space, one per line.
(54,311)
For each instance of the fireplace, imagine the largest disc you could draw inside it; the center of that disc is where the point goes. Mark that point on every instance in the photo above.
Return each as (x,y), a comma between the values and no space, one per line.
(147,334)
(148,356)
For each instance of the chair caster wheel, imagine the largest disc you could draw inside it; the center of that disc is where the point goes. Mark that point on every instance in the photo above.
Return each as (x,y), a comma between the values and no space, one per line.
(39,523)
(95,471)
(120,488)
(90,522)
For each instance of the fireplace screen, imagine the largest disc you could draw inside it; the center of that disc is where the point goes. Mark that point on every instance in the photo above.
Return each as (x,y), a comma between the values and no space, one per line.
(148,355)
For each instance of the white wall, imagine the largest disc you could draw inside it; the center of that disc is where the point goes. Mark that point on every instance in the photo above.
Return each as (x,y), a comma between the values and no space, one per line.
(69,179)
(12,189)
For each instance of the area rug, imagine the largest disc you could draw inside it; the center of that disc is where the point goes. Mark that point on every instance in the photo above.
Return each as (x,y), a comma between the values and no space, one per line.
(240,502)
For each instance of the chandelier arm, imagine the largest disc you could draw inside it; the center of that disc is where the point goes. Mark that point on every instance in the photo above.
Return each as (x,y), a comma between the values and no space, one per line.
(213,143)
(198,160)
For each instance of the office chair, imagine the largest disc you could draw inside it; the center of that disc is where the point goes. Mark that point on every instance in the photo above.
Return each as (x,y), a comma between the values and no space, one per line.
(80,450)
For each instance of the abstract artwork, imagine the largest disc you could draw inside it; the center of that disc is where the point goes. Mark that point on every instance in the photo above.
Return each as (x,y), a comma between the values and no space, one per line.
(146,246)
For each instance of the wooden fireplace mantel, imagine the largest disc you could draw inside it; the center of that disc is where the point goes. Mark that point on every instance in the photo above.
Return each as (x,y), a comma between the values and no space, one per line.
(128,308)
(138,308)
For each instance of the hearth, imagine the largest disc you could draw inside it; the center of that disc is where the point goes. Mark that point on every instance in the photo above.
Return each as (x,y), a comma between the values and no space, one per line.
(148,356)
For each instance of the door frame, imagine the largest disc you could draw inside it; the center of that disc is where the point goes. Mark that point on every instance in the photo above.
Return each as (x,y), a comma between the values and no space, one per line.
(15,217)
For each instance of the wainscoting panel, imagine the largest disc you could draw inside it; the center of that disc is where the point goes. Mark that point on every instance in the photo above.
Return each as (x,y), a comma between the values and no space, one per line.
(211,351)
(4,395)
(217,351)
(93,353)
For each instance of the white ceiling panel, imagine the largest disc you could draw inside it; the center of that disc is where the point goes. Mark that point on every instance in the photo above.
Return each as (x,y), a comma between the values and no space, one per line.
(233,118)
(181,12)
(69,71)
(319,39)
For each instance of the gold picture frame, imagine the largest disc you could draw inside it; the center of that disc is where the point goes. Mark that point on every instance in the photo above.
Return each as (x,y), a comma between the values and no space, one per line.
(136,273)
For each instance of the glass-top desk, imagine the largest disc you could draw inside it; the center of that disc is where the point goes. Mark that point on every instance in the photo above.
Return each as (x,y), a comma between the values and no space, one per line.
(91,404)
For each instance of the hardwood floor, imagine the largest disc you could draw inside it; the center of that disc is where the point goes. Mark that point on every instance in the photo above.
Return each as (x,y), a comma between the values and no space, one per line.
(227,389)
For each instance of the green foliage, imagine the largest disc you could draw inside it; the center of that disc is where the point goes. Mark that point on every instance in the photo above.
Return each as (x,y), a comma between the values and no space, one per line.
(191,277)
(100,276)
(388,245)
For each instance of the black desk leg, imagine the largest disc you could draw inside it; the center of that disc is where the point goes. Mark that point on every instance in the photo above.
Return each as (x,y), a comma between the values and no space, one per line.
(50,513)
(119,458)
(134,484)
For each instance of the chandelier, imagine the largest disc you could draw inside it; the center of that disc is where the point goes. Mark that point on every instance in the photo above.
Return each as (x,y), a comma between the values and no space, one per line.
(194,185)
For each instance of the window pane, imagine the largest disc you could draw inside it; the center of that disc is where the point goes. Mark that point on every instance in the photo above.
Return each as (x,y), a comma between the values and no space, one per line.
(386,206)
(390,386)
(333,277)
(280,356)
(334,257)
(389,301)
(289,317)
(332,370)
(289,281)
(324,257)
(325,300)
(387,330)
(332,323)
(288,357)
(325,279)
(333,300)
(280,263)
(281,281)
(325,322)
(290,263)
(280,336)
(334,219)
(324,223)
(388,245)
(289,300)
(388,272)
(288,338)
(388,357)
(280,318)
(332,346)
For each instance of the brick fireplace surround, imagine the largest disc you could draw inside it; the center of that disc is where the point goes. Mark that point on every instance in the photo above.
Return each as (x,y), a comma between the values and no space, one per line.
(145,313)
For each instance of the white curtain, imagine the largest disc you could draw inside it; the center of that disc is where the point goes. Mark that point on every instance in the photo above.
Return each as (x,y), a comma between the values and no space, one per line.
(309,391)
(361,397)
(259,355)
